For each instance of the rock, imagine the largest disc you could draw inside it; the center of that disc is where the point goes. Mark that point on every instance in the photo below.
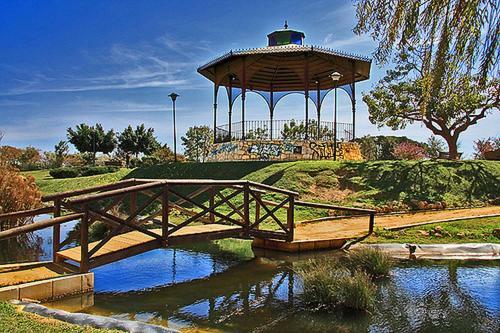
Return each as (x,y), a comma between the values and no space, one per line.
(438,228)
(446,233)
(496,232)
(423,232)
(461,235)
(438,234)
(422,204)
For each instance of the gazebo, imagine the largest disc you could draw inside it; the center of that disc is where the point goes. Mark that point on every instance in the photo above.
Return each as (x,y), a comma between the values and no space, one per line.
(284,67)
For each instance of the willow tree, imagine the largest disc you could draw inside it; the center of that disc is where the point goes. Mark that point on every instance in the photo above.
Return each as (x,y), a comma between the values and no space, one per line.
(442,35)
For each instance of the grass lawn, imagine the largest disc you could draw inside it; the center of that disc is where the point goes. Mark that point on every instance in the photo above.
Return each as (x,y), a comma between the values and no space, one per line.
(383,185)
(49,185)
(465,231)
(15,321)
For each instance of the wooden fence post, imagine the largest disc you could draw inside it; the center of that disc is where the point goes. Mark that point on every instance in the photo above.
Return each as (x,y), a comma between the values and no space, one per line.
(257,209)
(372,223)
(246,208)
(165,210)
(290,217)
(84,241)
(56,231)
(212,203)
(133,204)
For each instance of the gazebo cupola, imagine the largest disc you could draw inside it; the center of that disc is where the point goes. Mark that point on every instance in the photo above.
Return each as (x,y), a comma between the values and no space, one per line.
(285,37)
(283,67)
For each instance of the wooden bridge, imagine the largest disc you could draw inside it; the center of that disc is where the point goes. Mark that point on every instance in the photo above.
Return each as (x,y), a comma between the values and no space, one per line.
(145,214)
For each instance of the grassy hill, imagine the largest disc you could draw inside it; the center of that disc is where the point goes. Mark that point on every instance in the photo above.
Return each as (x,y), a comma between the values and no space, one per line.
(387,185)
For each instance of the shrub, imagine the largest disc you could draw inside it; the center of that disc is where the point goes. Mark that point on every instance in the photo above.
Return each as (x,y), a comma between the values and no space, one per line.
(409,151)
(327,286)
(372,261)
(17,192)
(72,172)
(64,172)
(483,146)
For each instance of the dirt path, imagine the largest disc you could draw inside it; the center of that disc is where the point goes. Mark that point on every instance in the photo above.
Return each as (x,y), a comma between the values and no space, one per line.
(353,227)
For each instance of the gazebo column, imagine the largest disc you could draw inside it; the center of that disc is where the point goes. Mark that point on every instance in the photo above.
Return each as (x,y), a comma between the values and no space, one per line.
(306,93)
(215,112)
(230,108)
(318,109)
(243,98)
(271,111)
(353,101)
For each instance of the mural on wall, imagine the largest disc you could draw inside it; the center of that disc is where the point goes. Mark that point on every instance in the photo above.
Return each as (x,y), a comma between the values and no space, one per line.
(321,150)
(224,148)
(267,151)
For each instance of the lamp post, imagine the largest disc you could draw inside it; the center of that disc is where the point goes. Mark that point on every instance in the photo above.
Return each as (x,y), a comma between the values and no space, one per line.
(335,76)
(174,96)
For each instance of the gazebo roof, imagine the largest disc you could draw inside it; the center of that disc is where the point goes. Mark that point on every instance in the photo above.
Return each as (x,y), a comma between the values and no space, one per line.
(286,68)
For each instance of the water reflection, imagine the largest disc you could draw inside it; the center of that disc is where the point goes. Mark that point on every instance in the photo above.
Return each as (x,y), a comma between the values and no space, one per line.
(261,295)
(35,246)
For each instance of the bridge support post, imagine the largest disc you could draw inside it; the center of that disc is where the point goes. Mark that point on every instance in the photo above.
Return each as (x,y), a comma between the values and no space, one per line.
(246,208)
(56,231)
(133,204)
(257,209)
(290,217)
(84,242)
(165,210)
(212,203)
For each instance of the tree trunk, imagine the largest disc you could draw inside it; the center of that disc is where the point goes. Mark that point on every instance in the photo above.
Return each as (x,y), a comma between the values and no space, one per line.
(451,141)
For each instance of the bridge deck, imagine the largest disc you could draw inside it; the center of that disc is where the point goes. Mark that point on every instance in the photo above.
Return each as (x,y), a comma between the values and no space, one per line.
(136,242)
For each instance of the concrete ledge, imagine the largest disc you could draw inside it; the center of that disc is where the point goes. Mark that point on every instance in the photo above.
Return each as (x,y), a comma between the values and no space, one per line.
(465,251)
(298,245)
(50,289)
(92,320)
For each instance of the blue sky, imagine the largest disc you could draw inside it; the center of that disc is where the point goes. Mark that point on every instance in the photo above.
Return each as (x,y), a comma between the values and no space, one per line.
(115,62)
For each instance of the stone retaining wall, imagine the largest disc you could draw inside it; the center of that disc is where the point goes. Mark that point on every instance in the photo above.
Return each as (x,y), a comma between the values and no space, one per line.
(283,150)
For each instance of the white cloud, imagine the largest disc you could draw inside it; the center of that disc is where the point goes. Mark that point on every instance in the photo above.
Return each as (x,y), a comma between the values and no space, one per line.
(162,63)
(355,40)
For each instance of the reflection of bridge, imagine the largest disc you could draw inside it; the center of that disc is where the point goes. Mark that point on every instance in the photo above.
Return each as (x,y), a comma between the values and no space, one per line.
(231,296)
(139,215)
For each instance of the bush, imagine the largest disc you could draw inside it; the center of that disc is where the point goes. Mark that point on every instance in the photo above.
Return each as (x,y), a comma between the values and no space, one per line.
(372,261)
(17,192)
(328,286)
(409,151)
(72,172)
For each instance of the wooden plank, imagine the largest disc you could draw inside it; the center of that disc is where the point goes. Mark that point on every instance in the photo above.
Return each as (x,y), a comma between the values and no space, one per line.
(27,213)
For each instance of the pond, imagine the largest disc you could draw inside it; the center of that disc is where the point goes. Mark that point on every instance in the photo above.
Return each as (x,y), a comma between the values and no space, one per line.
(223,286)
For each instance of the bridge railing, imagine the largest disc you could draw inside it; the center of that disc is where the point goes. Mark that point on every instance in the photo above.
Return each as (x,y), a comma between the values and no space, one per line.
(142,204)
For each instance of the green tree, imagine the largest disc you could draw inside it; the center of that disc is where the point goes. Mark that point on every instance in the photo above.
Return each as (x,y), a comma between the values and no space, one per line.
(434,146)
(92,139)
(461,102)
(61,151)
(197,143)
(444,35)
(137,141)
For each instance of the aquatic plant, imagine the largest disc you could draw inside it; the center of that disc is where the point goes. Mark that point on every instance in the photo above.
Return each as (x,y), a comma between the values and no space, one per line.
(372,261)
(327,285)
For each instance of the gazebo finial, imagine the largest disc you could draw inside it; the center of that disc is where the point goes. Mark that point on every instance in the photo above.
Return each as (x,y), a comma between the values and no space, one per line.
(286,24)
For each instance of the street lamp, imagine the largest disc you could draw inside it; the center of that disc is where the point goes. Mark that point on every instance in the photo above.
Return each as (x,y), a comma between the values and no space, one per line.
(174,96)
(335,76)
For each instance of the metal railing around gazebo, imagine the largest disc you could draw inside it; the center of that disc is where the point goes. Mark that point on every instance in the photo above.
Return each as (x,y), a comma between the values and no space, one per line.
(282,130)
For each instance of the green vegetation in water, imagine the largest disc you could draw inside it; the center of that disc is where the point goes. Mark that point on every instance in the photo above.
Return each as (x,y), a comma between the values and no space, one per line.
(228,248)
(464,231)
(14,321)
(344,283)
(328,286)
(374,262)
